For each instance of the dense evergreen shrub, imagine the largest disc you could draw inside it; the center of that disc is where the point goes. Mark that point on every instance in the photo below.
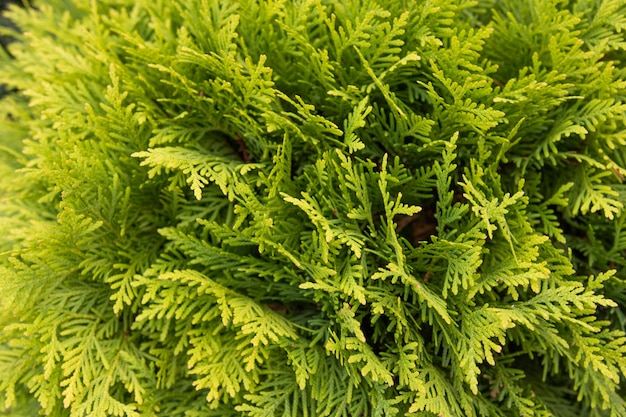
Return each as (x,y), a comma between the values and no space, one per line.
(314,208)
(4,40)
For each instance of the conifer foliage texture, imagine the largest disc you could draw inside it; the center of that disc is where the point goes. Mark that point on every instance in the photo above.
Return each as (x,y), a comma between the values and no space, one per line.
(314,208)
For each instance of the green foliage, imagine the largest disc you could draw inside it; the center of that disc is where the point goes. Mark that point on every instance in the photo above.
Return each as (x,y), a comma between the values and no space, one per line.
(314,208)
